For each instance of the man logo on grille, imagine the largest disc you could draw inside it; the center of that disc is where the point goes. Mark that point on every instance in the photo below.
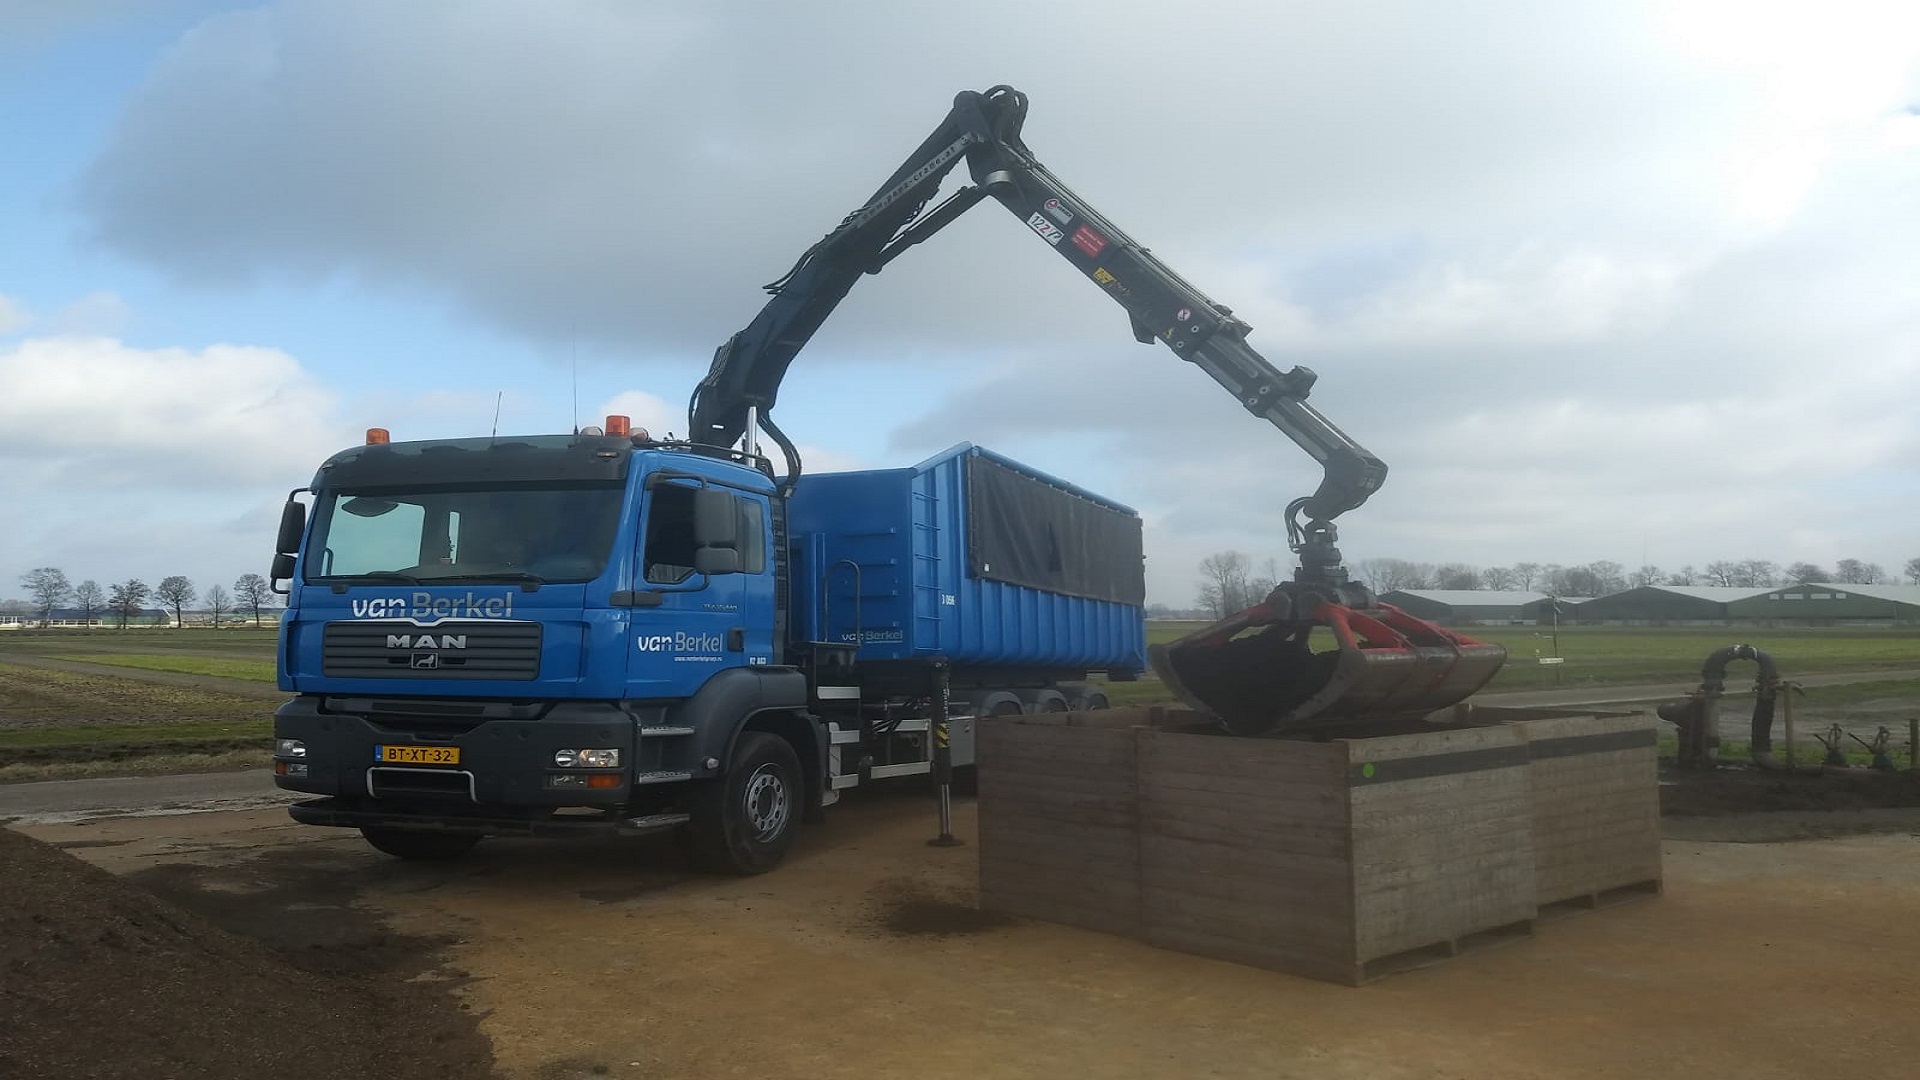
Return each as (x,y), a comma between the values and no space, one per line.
(426,660)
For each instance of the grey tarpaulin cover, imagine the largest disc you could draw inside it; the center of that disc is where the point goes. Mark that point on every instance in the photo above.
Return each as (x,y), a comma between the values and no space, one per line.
(1025,531)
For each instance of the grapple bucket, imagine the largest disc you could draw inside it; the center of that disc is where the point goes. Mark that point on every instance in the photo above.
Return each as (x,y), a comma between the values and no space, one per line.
(1257,672)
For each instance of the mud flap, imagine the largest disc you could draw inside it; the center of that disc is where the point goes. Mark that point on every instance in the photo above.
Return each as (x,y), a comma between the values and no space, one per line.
(1256,672)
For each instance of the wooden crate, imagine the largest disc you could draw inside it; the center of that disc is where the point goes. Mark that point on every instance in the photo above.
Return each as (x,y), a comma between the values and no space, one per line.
(1059,819)
(1338,860)
(1596,803)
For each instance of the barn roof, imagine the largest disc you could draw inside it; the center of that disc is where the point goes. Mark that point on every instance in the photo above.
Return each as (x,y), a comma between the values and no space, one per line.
(1472,597)
(1905,594)
(1720,593)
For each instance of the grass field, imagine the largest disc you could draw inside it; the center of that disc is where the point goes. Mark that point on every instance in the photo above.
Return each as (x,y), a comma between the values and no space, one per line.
(1626,655)
(214,666)
(59,722)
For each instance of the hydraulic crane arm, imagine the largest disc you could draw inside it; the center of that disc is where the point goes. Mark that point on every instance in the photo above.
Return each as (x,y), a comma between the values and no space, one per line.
(984,129)
(1256,670)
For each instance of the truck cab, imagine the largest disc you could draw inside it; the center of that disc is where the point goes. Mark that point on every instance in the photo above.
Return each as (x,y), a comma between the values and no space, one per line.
(565,634)
(482,631)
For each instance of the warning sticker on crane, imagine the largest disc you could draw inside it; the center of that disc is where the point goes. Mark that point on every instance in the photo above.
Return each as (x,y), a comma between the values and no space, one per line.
(1089,241)
(1047,229)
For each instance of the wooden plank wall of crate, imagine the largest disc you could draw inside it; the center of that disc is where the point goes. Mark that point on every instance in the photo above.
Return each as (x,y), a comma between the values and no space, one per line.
(1338,860)
(1596,806)
(1059,819)
(1245,851)
(1442,841)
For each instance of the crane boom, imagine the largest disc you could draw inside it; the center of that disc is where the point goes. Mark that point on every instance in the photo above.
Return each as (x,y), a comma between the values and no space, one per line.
(984,130)
(1255,670)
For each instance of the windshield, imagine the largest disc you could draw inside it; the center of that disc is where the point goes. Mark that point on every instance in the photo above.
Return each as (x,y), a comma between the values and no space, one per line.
(506,533)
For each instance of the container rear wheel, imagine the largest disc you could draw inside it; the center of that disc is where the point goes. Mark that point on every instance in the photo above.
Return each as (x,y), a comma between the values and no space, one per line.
(966,778)
(744,822)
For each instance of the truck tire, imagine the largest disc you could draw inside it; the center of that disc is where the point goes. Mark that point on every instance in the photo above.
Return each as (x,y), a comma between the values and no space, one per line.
(744,822)
(419,843)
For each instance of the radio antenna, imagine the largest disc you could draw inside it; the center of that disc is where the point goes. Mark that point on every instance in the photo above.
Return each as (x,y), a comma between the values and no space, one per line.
(573,330)
(496,413)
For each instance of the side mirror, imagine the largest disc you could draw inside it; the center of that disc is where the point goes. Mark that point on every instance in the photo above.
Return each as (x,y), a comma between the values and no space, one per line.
(716,519)
(293,523)
(716,560)
(282,570)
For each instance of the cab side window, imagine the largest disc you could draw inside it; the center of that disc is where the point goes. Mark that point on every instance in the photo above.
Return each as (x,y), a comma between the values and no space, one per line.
(668,558)
(753,536)
(668,554)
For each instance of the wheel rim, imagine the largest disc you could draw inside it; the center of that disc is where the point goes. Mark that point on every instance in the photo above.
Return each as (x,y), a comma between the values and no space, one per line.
(767,801)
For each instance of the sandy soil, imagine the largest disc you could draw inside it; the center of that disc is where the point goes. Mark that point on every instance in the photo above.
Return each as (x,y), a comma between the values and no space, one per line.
(864,957)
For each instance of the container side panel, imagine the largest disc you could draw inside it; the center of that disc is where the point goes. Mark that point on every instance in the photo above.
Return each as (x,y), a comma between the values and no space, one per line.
(886,557)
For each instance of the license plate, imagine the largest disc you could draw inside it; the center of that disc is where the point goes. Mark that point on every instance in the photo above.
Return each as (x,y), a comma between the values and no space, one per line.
(417,755)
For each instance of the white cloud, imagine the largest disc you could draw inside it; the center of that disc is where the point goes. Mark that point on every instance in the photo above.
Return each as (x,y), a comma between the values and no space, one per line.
(118,461)
(645,410)
(97,314)
(1591,277)
(13,315)
(94,414)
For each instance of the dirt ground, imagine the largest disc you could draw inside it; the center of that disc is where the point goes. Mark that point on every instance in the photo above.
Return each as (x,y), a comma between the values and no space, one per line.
(865,957)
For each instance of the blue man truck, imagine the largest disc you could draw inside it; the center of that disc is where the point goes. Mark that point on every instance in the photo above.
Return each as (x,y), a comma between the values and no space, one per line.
(609,632)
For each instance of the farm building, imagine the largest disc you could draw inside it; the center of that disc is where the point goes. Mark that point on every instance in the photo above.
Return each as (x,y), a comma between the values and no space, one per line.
(1829,604)
(72,617)
(1462,607)
(1552,609)
(1666,605)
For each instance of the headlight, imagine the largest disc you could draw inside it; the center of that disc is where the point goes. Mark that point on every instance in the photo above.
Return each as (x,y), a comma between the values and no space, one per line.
(587,759)
(289,748)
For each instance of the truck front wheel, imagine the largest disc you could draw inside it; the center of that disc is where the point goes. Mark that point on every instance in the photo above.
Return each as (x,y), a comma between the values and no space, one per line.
(419,843)
(744,822)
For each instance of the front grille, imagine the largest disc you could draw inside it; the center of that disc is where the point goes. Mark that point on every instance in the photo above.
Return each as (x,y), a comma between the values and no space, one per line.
(402,650)
(387,783)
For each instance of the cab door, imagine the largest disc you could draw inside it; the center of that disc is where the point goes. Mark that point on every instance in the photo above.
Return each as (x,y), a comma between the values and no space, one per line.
(689,617)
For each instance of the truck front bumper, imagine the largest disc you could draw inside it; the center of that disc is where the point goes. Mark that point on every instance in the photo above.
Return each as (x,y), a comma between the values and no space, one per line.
(353,813)
(497,772)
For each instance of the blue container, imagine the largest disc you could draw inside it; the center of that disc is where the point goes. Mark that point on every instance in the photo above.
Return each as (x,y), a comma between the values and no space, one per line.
(971,556)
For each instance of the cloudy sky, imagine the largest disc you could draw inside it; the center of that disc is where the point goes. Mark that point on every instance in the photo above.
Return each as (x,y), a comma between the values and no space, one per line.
(1611,280)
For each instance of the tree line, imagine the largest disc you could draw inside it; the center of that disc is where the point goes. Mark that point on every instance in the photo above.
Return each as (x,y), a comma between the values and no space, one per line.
(1229,580)
(48,588)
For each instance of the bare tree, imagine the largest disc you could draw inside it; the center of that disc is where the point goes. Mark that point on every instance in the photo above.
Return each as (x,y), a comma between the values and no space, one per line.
(1456,576)
(1721,572)
(1574,581)
(1801,573)
(1526,575)
(1499,579)
(252,591)
(1387,575)
(1855,572)
(1913,571)
(127,599)
(1607,577)
(89,599)
(219,602)
(1223,583)
(176,592)
(1686,575)
(1262,583)
(1646,575)
(49,588)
